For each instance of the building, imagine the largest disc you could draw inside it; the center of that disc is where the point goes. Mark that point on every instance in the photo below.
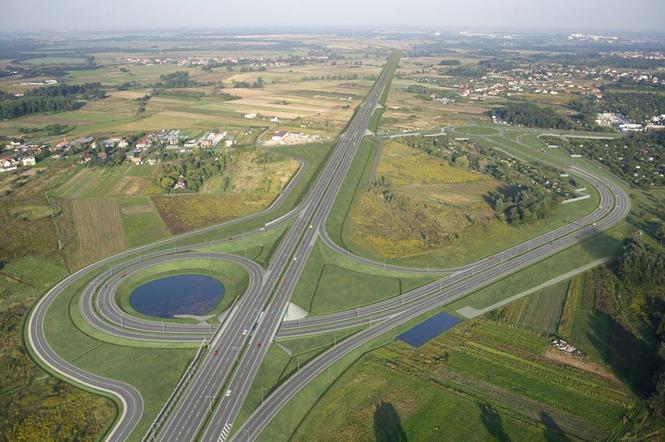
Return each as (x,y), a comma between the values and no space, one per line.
(28,161)
(279,135)
(135,157)
(143,143)
(181,184)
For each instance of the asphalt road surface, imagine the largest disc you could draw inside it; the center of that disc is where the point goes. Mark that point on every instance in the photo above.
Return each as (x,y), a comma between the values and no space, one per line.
(209,401)
(614,198)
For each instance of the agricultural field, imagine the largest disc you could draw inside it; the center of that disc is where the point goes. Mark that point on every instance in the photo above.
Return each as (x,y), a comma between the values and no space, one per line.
(253,180)
(481,380)
(121,180)
(318,97)
(98,230)
(541,311)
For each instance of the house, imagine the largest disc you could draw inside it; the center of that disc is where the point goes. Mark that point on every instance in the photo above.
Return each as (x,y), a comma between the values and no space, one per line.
(250,116)
(181,184)
(86,158)
(102,155)
(28,161)
(135,157)
(143,143)
(279,135)
(7,164)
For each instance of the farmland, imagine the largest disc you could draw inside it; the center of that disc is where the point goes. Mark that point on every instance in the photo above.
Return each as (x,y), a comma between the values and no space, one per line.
(91,216)
(122,180)
(486,380)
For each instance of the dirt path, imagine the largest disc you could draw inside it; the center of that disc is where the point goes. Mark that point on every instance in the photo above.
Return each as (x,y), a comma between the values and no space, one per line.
(556,355)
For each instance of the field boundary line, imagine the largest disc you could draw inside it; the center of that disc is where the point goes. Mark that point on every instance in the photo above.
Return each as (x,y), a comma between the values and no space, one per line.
(470,312)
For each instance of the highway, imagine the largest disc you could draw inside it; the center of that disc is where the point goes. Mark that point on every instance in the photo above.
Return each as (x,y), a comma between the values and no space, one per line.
(619,206)
(131,403)
(208,401)
(252,313)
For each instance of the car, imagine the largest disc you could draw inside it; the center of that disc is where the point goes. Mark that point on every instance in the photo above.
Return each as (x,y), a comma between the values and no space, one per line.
(216,352)
(244,332)
(228,393)
(258,344)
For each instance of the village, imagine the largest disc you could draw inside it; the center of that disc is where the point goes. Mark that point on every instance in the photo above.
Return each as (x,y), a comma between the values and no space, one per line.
(546,79)
(144,150)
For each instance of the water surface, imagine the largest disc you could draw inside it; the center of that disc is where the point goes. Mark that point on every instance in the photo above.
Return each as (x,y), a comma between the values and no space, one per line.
(428,329)
(177,295)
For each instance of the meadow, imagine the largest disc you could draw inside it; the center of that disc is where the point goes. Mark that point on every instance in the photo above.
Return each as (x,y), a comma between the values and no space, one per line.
(362,221)
(481,380)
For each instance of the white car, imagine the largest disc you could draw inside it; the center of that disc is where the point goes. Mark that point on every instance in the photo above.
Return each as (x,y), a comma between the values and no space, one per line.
(244,332)
(228,393)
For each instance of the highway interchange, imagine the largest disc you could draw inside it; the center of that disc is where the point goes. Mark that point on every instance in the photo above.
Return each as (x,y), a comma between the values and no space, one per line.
(206,403)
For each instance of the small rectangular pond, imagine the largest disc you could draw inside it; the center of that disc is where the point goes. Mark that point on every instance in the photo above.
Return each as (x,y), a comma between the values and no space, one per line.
(428,329)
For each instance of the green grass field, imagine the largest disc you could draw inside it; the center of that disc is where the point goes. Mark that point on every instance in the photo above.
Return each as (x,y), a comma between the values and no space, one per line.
(327,286)
(476,130)
(141,221)
(482,380)
(540,311)
(153,371)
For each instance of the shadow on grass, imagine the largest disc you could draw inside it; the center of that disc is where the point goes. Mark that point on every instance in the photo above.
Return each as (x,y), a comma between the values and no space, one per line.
(387,424)
(552,432)
(492,422)
(632,359)
(600,244)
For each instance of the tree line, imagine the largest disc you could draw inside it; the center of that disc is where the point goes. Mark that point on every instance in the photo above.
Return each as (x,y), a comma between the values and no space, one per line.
(531,115)
(56,98)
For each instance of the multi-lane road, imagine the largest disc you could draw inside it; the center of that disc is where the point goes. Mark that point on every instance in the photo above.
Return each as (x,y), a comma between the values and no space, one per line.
(208,401)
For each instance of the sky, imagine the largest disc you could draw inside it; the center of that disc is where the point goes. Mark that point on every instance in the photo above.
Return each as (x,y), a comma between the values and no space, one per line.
(566,15)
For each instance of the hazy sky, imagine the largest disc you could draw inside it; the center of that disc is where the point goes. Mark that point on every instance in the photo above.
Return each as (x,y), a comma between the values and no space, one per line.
(632,15)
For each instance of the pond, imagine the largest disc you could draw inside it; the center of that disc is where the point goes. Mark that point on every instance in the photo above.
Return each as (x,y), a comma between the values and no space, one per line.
(177,295)
(428,329)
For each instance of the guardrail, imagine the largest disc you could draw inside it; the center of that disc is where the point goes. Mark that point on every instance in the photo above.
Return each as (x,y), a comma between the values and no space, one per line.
(177,391)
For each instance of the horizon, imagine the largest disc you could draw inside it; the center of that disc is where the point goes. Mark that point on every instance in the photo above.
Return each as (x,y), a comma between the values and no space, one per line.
(643,16)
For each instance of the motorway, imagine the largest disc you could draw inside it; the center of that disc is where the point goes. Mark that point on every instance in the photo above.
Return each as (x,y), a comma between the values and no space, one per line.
(252,313)
(614,206)
(207,404)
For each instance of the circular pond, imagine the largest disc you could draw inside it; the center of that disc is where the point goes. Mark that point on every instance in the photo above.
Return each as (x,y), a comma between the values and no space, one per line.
(177,295)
